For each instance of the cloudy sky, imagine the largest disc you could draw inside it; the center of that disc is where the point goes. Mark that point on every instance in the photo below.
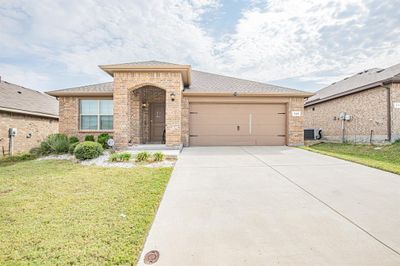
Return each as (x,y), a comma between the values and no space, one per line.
(51,44)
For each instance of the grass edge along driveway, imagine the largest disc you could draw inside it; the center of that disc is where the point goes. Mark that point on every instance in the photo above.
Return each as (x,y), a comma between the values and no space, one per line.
(385,158)
(58,212)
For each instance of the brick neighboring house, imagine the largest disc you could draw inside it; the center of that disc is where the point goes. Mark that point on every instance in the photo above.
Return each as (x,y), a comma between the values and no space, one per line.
(371,98)
(157,102)
(34,114)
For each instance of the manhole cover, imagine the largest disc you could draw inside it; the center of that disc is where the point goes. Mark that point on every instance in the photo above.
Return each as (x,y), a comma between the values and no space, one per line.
(151,257)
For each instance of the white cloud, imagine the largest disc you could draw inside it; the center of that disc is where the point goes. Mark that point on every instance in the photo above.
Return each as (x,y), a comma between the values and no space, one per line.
(28,78)
(60,43)
(291,38)
(82,34)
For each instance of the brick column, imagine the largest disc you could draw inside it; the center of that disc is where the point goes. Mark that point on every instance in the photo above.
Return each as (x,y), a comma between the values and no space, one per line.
(295,123)
(395,98)
(173,117)
(121,111)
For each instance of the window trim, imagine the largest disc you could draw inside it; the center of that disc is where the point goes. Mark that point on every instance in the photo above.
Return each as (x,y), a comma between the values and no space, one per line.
(98,115)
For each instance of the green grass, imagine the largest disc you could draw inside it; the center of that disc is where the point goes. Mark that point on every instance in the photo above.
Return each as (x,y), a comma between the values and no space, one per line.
(382,157)
(58,212)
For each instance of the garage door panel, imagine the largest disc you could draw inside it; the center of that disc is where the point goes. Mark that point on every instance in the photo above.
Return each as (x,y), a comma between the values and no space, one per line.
(220,130)
(268,131)
(221,140)
(217,124)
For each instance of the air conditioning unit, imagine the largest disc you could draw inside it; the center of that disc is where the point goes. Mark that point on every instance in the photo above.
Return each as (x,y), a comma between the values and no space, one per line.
(312,133)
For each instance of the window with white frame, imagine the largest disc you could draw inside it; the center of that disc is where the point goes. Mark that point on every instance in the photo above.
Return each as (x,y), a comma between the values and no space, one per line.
(96,114)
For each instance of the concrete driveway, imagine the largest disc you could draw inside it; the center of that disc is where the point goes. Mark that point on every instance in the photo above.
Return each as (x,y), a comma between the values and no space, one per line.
(275,205)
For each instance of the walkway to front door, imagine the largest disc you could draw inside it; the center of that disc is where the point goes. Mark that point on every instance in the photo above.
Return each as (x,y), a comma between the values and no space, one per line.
(275,205)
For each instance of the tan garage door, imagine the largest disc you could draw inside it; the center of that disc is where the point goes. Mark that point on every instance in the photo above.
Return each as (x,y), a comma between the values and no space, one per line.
(237,124)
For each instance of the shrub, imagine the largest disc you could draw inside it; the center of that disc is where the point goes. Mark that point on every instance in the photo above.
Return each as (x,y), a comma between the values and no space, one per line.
(37,151)
(88,150)
(158,156)
(102,139)
(89,138)
(142,156)
(18,158)
(73,139)
(55,143)
(120,157)
(72,147)
(44,148)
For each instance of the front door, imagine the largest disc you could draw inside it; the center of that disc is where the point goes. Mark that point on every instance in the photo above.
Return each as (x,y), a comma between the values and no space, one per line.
(157,122)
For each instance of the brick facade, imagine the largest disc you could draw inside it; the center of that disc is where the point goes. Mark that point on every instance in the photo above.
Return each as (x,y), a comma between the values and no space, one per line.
(295,126)
(126,131)
(368,110)
(395,112)
(185,121)
(131,120)
(38,127)
(69,117)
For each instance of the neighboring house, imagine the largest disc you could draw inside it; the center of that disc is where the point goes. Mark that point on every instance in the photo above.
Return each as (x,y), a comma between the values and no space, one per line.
(371,99)
(157,102)
(32,113)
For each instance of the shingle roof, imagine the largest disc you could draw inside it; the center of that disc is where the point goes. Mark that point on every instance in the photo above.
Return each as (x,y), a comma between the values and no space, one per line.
(100,88)
(202,82)
(359,80)
(15,98)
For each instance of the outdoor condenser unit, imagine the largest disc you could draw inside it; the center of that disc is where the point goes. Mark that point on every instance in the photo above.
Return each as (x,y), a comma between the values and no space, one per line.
(312,133)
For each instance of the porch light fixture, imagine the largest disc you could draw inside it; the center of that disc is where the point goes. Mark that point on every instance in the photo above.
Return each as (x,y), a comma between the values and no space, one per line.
(144,105)
(172,96)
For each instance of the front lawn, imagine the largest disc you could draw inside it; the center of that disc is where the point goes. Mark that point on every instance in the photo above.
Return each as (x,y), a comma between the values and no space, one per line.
(58,212)
(382,157)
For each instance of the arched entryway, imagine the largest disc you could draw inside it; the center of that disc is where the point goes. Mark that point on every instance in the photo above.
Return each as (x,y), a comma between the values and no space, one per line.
(147,115)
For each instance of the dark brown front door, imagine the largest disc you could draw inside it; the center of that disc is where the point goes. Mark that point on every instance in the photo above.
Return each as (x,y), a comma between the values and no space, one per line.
(157,121)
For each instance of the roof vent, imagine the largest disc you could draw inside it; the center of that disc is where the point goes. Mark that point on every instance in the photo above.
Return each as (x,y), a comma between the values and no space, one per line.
(380,70)
(19,92)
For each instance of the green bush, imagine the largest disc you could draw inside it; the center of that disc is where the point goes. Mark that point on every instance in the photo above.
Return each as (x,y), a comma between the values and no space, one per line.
(72,147)
(73,139)
(88,150)
(18,158)
(158,156)
(142,156)
(55,143)
(120,157)
(37,151)
(89,138)
(102,139)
